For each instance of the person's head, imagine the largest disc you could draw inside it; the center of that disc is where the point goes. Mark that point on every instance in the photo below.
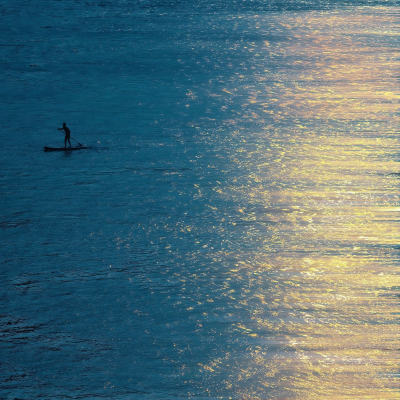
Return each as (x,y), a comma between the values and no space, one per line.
(64,124)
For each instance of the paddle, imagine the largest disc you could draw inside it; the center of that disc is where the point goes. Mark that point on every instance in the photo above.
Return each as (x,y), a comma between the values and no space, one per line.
(80,144)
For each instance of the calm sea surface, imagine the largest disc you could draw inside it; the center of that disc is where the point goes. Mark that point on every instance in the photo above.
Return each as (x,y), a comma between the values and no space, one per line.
(232,230)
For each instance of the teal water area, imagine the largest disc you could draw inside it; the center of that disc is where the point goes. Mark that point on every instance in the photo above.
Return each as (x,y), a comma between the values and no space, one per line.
(231,232)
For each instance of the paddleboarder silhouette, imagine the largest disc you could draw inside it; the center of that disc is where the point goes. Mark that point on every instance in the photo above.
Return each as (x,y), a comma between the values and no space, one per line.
(67,134)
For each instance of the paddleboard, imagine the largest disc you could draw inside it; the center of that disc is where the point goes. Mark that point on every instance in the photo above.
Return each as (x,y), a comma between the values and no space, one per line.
(64,148)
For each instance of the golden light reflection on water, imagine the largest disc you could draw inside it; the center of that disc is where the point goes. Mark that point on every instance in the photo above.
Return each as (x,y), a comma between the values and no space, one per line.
(320,198)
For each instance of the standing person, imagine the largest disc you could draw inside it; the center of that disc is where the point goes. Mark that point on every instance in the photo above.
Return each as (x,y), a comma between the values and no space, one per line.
(67,134)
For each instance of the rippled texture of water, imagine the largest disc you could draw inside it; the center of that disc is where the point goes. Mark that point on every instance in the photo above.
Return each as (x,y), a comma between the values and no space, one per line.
(232,232)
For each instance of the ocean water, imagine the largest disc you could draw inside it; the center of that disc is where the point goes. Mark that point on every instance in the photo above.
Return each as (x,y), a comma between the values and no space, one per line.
(231,232)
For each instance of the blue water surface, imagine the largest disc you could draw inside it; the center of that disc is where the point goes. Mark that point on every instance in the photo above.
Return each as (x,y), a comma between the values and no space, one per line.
(155,263)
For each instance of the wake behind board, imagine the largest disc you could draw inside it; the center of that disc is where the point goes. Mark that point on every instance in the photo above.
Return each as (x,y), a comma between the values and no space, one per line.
(64,148)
